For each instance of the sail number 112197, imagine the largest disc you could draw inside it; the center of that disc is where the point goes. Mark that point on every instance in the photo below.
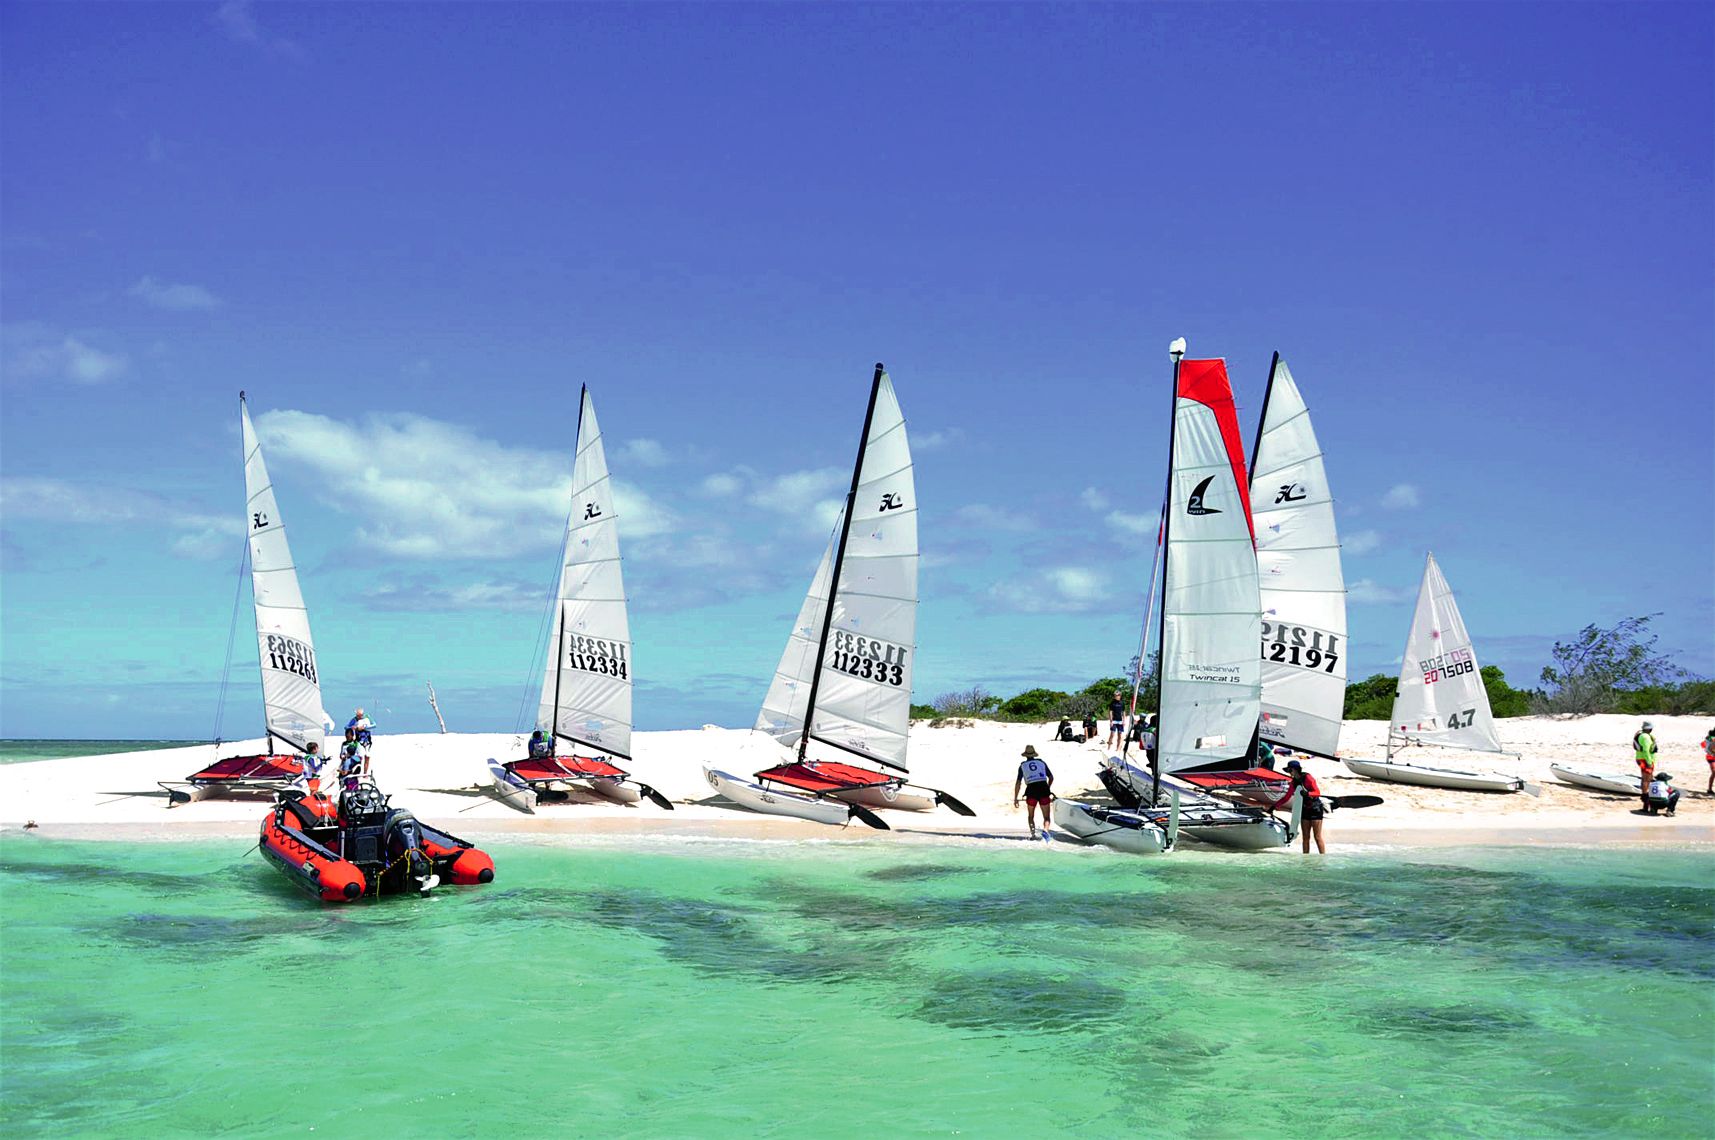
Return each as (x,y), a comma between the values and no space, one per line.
(1300,645)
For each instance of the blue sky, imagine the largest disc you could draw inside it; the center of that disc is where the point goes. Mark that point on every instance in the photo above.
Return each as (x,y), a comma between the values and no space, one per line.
(1480,235)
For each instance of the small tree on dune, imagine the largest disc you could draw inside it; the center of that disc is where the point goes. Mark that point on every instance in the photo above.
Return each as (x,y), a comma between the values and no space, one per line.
(1591,671)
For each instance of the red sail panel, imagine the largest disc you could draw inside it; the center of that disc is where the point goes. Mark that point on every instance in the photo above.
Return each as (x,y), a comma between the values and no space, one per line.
(1206,382)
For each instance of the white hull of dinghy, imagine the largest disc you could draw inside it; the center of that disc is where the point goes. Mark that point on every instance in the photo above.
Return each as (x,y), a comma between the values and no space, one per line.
(1435,777)
(1239,834)
(754,796)
(1118,828)
(1617,782)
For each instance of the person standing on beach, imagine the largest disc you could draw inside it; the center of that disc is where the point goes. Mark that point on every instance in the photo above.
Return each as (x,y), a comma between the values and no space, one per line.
(1709,755)
(1116,721)
(1311,819)
(359,728)
(1038,782)
(1643,750)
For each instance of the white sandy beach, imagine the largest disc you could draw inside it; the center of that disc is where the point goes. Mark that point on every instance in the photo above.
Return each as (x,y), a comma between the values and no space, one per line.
(437,777)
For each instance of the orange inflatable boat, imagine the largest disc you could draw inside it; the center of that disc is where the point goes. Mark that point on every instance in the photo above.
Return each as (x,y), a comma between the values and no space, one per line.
(358,845)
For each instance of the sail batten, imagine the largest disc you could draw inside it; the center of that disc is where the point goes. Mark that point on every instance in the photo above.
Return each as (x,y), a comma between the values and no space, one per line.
(860,673)
(1441,698)
(587,683)
(291,678)
(1303,590)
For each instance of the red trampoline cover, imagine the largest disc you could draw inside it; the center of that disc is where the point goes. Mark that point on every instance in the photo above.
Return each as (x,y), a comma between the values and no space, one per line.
(562,768)
(1233,779)
(252,768)
(825,776)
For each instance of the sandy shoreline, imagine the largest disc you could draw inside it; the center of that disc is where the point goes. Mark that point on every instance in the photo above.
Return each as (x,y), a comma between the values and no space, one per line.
(115,797)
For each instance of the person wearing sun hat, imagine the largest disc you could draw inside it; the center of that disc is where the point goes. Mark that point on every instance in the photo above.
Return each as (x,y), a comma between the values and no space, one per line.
(1037,781)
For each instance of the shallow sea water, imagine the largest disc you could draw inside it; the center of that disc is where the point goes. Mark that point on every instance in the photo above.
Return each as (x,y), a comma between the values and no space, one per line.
(18,750)
(725,988)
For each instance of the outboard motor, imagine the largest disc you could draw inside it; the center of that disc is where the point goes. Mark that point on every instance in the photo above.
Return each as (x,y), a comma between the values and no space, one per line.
(405,847)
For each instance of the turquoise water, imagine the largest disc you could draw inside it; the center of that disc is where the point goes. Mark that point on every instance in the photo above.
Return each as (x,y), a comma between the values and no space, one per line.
(717,988)
(19,751)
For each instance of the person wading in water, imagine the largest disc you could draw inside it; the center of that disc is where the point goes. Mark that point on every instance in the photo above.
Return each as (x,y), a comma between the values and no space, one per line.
(1311,820)
(1037,781)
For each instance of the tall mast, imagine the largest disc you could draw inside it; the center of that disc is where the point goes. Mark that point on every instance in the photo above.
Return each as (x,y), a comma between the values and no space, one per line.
(1177,351)
(839,560)
(559,647)
(1273,367)
(245,463)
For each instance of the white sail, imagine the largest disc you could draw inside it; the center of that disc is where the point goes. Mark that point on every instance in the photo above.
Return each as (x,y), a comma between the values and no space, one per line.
(863,671)
(782,715)
(1298,563)
(586,689)
(1211,687)
(291,682)
(1441,698)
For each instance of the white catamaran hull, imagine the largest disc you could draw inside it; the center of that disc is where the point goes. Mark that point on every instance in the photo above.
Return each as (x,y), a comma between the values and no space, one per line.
(1210,820)
(510,790)
(747,793)
(1617,782)
(608,788)
(891,797)
(1118,828)
(1435,777)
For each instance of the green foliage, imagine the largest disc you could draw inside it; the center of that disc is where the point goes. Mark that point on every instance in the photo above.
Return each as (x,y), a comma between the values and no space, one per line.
(1037,704)
(1689,697)
(1592,671)
(923,712)
(1372,698)
(1504,700)
(1149,695)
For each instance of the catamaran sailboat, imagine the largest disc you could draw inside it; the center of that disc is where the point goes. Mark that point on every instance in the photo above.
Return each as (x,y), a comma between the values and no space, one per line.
(586,688)
(844,680)
(1211,617)
(1441,701)
(291,686)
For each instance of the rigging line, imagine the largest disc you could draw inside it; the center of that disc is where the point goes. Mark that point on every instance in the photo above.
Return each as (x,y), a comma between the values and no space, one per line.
(538,661)
(231,636)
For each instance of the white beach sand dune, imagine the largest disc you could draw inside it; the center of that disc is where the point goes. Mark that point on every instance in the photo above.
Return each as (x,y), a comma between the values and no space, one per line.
(438,777)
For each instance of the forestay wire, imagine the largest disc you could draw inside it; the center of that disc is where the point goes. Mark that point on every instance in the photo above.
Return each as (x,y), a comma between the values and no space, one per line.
(231,637)
(544,632)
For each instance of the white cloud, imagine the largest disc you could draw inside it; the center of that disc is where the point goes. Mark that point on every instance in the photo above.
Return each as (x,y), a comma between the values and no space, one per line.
(1360,542)
(992,518)
(796,492)
(235,18)
(422,488)
(1367,592)
(176,298)
(1135,524)
(1400,497)
(1093,499)
(1057,589)
(37,352)
(644,453)
(720,486)
(421,595)
(936,440)
(194,534)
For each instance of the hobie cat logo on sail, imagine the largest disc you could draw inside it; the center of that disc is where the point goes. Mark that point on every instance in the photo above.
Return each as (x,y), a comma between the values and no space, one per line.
(891,501)
(591,511)
(1194,505)
(1286,495)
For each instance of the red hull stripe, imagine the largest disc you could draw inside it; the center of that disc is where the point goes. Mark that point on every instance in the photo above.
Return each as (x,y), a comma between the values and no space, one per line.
(1205,381)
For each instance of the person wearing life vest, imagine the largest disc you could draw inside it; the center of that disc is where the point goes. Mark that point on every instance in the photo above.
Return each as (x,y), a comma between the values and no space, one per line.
(1709,755)
(1643,750)
(1302,782)
(541,745)
(1037,781)
(312,760)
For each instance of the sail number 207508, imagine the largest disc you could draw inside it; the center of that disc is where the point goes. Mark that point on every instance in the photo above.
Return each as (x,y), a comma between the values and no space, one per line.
(1300,645)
